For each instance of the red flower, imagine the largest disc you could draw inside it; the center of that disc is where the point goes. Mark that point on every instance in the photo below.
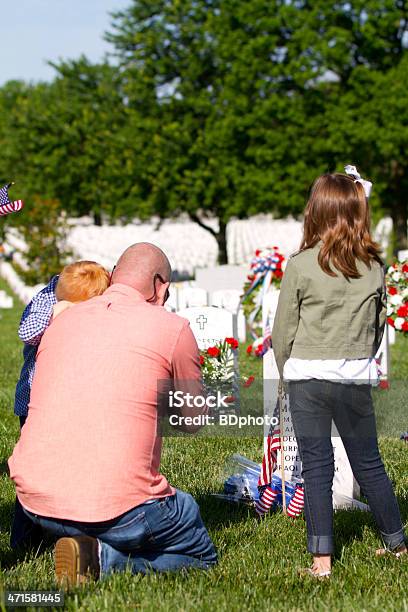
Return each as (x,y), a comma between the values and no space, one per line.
(232,342)
(278,273)
(249,381)
(384,384)
(230,399)
(257,252)
(390,321)
(392,290)
(405,326)
(403,311)
(251,277)
(405,268)
(249,349)
(202,360)
(213,351)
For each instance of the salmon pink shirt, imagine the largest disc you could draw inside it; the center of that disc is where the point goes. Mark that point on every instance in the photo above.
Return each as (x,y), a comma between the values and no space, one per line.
(89,450)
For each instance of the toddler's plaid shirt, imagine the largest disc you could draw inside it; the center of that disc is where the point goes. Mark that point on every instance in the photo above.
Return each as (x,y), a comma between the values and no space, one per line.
(34,321)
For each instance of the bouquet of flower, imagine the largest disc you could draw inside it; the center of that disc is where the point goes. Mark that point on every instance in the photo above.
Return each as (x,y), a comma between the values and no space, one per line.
(397,296)
(217,366)
(265,270)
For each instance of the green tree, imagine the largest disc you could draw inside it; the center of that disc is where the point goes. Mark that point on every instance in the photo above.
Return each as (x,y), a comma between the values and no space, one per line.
(227,135)
(370,124)
(238,97)
(44,231)
(63,140)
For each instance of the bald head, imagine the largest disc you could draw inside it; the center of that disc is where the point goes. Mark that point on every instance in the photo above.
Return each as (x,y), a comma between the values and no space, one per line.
(139,264)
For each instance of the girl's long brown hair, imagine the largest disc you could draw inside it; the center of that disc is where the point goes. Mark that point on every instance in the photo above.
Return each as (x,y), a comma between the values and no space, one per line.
(337,213)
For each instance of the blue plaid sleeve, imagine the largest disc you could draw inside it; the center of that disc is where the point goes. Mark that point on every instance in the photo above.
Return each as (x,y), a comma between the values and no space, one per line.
(37,314)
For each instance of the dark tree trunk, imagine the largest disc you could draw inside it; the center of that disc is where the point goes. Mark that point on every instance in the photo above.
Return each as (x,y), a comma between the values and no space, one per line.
(97,218)
(399,206)
(220,236)
(399,219)
(222,243)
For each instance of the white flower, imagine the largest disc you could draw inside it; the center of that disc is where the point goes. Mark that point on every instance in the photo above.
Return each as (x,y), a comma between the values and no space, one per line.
(390,310)
(396,300)
(391,269)
(399,322)
(396,276)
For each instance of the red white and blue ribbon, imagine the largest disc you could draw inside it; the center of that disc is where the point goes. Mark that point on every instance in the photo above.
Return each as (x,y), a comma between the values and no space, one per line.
(6,206)
(265,266)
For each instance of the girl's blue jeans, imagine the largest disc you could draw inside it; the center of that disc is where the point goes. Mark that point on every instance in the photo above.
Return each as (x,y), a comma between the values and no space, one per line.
(313,405)
(162,535)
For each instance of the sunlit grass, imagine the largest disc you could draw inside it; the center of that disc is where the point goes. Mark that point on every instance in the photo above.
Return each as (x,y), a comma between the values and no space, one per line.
(258,561)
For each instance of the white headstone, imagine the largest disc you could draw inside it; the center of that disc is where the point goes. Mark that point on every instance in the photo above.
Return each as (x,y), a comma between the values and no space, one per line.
(210,325)
(190,297)
(230,300)
(345,487)
(226,298)
(6,301)
(221,278)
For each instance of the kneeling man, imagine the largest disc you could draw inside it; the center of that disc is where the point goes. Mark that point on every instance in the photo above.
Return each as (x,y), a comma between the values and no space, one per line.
(87,465)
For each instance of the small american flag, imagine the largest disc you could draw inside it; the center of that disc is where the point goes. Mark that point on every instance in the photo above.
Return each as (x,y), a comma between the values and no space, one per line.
(267,494)
(296,504)
(7,207)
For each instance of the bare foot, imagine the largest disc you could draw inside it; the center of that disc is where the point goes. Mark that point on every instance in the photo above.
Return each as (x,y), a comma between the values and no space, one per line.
(398,552)
(321,564)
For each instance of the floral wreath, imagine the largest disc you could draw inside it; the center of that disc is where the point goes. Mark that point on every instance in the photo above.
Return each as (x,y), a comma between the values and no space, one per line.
(397,296)
(266,269)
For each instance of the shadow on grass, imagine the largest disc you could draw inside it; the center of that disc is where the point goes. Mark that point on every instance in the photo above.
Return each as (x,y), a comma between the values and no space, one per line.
(349,525)
(9,557)
(218,513)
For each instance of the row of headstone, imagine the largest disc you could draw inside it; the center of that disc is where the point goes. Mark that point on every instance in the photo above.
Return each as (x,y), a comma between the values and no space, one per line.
(191,297)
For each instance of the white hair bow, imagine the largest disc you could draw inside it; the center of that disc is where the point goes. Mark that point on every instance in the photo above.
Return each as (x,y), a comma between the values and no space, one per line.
(367,185)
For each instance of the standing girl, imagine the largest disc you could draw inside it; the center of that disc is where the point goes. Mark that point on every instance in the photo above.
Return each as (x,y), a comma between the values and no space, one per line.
(328,327)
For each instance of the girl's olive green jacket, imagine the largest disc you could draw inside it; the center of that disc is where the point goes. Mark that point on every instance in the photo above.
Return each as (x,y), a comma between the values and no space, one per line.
(325,317)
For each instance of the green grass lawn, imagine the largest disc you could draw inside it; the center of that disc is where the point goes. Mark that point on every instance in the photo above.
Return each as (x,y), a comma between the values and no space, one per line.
(258,561)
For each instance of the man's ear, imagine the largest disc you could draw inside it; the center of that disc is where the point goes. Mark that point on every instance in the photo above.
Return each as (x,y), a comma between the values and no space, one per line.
(162,293)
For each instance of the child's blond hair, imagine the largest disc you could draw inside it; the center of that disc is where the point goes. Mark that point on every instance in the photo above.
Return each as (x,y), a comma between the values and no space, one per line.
(81,281)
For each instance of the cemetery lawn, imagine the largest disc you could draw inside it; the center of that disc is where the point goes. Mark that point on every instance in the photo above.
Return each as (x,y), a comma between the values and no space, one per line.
(258,561)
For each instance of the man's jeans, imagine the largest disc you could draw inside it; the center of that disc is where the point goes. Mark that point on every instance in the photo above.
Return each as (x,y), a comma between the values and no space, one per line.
(162,535)
(313,405)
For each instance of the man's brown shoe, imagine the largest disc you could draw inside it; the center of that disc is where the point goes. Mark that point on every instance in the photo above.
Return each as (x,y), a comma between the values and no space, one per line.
(76,560)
